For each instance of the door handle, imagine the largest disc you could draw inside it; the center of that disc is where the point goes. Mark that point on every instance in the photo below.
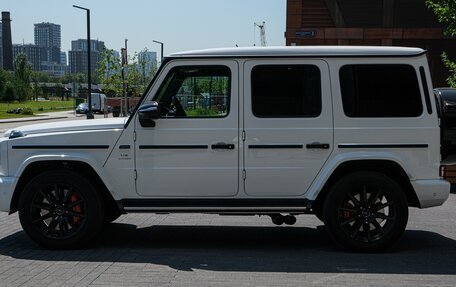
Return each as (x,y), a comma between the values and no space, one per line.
(317,146)
(222,146)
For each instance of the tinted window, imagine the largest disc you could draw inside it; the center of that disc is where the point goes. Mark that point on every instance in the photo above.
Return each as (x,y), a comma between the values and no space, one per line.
(286,91)
(380,91)
(195,91)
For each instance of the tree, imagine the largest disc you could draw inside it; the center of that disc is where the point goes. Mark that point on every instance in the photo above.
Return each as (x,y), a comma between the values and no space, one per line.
(138,74)
(109,72)
(37,91)
(22,68)
(146,69)
(22,74)
(8,96)
(40,77)
(3,81)
(445,10)
(134,77)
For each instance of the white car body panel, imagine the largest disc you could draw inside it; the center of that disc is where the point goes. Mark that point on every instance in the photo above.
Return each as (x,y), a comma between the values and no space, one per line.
(200,172)
(285,171)
(132,172)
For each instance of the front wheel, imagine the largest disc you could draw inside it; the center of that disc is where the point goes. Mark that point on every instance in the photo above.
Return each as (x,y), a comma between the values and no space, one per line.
(60,210)
(366,211)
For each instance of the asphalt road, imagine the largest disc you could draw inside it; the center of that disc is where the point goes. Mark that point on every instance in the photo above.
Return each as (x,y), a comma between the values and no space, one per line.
(211,250)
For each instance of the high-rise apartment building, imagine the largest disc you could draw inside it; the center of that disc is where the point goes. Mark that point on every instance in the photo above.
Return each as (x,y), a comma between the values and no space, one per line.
(147,62)
(81,45)
(34,54)
(63,58)
(78,55)
(48,36)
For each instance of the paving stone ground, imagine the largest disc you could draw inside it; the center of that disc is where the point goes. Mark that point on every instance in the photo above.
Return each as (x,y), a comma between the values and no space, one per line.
(211,250)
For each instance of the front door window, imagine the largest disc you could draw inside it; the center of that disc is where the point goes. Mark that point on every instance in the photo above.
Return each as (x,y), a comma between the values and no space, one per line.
(195,92)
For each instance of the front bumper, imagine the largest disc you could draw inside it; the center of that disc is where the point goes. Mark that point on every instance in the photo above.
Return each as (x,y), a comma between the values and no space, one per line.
(6,192)
(431,192)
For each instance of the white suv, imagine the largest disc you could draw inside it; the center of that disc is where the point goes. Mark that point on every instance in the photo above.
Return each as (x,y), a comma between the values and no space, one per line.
(350,134)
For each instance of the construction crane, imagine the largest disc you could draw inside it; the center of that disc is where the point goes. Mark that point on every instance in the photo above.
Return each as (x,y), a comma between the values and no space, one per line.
(262,27)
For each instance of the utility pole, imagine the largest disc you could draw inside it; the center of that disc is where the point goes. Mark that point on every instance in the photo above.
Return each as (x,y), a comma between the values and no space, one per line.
(124,109)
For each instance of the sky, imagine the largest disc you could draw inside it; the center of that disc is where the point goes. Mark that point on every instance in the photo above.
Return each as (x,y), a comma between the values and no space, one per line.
(180,24)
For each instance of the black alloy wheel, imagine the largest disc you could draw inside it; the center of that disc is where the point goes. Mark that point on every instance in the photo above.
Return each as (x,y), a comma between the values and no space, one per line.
(58,210)
(366,211)
(366,214)
(61,209)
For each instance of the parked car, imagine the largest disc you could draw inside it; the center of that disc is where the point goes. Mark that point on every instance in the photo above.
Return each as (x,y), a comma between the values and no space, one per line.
(82,108)
(350,134)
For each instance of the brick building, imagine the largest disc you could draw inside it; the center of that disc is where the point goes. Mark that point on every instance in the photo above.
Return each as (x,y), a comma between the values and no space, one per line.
(375,22)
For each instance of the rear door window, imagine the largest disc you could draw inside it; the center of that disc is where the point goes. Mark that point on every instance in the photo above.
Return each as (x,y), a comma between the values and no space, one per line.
(380,90)
(286,91)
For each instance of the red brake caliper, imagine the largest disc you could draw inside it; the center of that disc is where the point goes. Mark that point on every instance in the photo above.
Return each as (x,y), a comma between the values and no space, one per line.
(346,214)
(76,208)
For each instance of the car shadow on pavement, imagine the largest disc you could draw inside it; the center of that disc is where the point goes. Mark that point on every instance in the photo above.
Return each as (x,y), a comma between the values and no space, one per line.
(247,249)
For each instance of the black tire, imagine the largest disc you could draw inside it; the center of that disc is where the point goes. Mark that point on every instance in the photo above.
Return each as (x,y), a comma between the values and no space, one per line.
(111,215)
(61,209)
(365,212)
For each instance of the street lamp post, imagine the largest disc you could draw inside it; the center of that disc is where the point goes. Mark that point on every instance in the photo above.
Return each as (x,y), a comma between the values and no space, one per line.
(161,44)
(89,72)
(124,76)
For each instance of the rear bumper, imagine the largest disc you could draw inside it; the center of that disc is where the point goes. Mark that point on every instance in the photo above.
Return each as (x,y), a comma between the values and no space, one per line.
(6,192)
(431,192)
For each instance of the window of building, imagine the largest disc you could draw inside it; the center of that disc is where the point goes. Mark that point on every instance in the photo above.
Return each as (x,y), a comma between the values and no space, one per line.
(196,91)
(380,91)
(286,91)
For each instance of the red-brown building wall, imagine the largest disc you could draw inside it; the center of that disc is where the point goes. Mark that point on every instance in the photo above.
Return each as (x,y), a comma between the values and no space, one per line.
(375,22)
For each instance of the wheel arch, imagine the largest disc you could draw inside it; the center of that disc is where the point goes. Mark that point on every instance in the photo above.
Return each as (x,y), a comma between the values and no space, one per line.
(388,167)
(83,168)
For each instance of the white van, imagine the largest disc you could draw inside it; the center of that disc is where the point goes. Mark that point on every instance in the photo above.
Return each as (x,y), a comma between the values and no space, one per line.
(349,134)
(99,104)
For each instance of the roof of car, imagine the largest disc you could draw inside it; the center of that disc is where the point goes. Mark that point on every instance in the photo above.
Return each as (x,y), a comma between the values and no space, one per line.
(302,51)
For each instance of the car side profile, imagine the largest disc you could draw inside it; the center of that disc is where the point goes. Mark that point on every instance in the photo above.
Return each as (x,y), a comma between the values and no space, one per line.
(350,134)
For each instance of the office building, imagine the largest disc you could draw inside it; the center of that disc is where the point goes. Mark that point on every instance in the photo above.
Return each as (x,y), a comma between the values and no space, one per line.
(54,69)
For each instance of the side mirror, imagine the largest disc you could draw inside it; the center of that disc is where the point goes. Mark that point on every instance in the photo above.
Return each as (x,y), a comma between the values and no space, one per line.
(147,114)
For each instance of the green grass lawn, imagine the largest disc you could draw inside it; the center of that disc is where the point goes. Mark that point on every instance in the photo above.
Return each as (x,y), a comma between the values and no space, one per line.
(36,106)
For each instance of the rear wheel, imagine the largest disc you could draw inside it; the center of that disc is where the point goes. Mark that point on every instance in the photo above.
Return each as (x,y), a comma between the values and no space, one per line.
(60,210)
(366,211)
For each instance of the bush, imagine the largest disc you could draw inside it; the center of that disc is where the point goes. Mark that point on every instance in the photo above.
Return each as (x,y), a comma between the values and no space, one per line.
(27,111)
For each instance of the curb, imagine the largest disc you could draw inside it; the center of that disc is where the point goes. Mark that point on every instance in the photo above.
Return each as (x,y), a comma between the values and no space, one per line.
(30,120)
